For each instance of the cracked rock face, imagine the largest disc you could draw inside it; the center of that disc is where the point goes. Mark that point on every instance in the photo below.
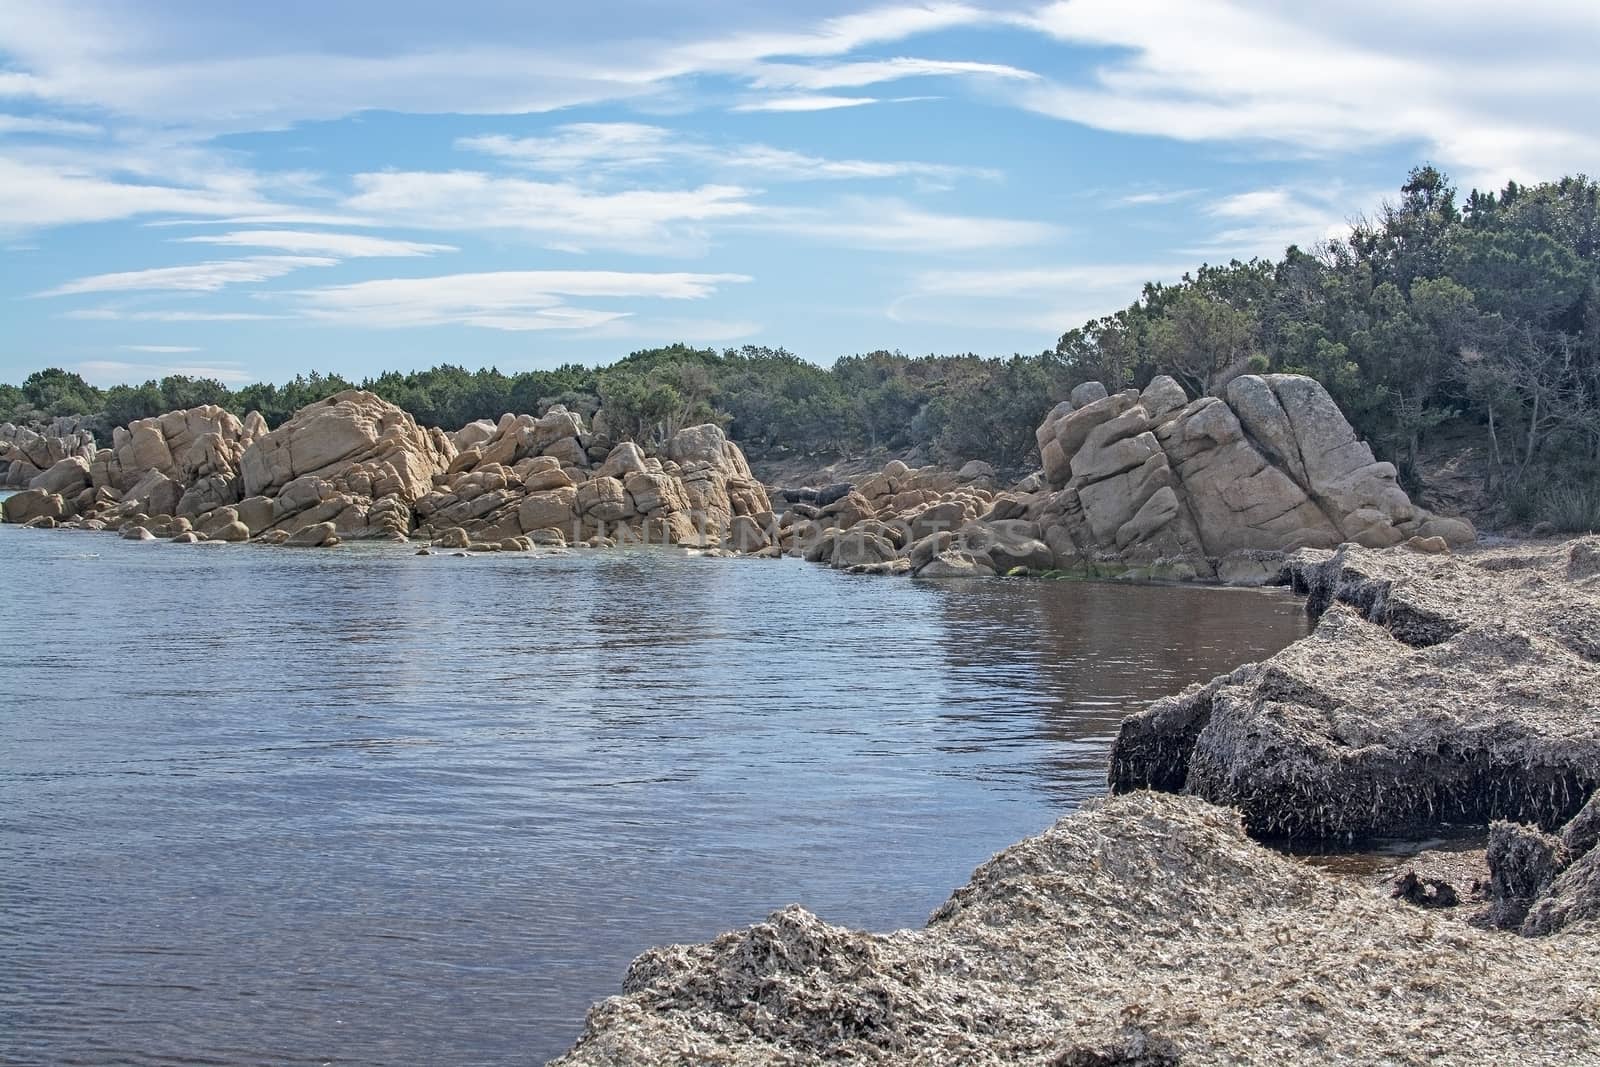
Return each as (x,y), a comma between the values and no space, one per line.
(1274,466)
(1148,930)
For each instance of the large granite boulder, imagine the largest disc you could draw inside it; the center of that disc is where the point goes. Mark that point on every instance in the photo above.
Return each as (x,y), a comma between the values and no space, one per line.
(716,478)
(164,443)
(69,477)
(31,504)
(352,433)
(1148,476)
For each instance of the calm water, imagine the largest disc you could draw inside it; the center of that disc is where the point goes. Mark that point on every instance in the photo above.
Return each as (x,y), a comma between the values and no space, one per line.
(359,806)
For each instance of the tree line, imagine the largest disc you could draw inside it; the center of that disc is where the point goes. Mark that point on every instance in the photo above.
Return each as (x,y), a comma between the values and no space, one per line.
(1435,323)
(770,400)
(1438,323)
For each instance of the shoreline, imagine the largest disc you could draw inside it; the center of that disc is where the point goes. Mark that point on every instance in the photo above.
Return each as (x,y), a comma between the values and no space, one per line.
(1129,932)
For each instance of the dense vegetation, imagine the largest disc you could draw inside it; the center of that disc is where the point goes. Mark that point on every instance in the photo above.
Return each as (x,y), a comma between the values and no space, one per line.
(1435,322)
(773,402)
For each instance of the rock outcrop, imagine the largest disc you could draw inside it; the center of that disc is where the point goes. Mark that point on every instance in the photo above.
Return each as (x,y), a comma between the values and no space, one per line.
(1150,475)
(1148,930)
(1138,484)
(179,444)
(548,476)
(363,467)
(1435,690)
(27,452)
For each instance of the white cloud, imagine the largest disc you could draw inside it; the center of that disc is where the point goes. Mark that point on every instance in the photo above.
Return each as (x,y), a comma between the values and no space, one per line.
(836,36)
(1478,91)
(1153,197)
(244,70)
(588,147)
(40,195)
(808,102)
(875,72)
(1263,222)
(501,300)
(159,348)
(282,217)
(192,277)
(583,146)
(661,330)
(1046,300)
(342,245)
(561,214)
(54,127)
(896,226)
(117,315)
(1343,78)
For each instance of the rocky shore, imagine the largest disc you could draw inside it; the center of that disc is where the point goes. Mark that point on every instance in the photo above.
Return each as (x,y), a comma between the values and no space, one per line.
(1441,690)
(1435,693)
(1142,484)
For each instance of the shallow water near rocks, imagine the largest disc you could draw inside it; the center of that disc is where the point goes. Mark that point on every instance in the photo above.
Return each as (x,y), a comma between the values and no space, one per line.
(360,806)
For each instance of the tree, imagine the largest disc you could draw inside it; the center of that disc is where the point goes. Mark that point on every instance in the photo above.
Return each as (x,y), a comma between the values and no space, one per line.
(57,392)
(1202,341)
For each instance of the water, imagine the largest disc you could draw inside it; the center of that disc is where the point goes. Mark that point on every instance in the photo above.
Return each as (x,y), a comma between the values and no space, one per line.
(358,806)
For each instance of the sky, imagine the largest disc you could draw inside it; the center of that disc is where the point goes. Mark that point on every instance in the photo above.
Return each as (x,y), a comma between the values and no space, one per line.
(250,191)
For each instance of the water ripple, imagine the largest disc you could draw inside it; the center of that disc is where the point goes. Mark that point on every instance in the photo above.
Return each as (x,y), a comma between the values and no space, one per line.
(362,806)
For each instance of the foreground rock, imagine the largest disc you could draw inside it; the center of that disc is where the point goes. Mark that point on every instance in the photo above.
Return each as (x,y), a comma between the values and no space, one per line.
(1434,691)
(1150,930)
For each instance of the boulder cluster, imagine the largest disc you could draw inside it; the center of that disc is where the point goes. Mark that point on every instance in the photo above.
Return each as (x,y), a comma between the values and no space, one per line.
(1143,484)
(354,466)
(1150,477)
(26,453)
(1139,484)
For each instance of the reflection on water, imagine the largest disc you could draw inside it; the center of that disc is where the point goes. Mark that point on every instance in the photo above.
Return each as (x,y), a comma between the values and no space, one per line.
(358,805)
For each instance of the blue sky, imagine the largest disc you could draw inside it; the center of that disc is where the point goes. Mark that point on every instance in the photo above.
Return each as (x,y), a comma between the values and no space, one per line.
(249,191)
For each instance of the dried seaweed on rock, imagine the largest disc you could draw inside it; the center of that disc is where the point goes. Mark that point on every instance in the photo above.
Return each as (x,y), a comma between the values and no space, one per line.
(1147,930)
(1434,690)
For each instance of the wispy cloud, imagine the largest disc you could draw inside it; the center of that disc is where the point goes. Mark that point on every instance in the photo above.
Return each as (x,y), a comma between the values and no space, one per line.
(807,102)
(341,245)
(502,300)
(1263,222)
(588,147)
(560,214)
(118,315)
(40,195)
(53,127)
(192,277)
(1335,81)
(1048,299)
(861,73)
(162,349)
(1154,197)
(894,225)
